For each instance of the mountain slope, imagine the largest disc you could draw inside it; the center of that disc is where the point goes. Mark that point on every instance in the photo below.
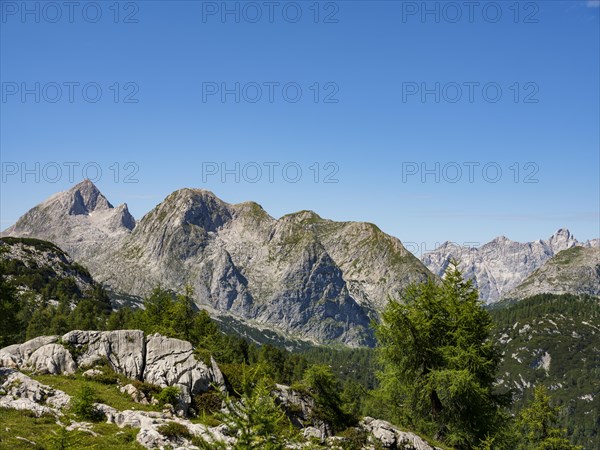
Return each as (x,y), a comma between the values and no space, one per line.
(34,266)
(501,265)
(554,340)
(572,271)
(302,275)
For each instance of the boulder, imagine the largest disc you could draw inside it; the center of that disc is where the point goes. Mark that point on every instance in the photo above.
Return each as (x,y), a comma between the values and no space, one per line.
(52,359)
(15,356)
(123,349)
(171,362)
(391,437)
(91,373)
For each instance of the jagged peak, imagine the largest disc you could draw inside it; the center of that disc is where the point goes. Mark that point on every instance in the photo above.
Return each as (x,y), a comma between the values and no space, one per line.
(562,232)
(83,198)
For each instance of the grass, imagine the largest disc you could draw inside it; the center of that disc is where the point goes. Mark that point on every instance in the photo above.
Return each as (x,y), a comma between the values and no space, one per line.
(44,432)
(106,393)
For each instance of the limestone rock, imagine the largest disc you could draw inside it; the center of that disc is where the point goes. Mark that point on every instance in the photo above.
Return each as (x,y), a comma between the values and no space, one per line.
(393,438)
(171,362)
(306,277)
(123,349)
(23,393)
(52,359)
(15,355)
(501,265)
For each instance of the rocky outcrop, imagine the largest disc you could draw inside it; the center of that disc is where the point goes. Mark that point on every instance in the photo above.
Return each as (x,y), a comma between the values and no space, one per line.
(17,355)
(18,391)
(299,409)
(301,275)
(393,438)
(501,265)
(171,362)
(124,349)
(53,359)
(154,359)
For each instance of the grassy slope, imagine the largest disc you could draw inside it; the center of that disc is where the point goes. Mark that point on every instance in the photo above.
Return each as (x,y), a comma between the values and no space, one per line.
(44,432)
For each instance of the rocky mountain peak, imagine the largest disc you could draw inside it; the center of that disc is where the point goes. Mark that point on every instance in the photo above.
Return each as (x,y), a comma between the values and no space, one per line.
(562,239)
(192,206)
(85,198)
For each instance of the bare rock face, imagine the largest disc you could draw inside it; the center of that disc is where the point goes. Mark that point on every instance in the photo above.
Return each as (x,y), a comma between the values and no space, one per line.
(53,359)
(123,349)
(171,362)
(79,215)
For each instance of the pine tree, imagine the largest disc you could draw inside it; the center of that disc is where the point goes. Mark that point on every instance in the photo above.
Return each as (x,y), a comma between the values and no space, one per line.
(538,425)
(440,362)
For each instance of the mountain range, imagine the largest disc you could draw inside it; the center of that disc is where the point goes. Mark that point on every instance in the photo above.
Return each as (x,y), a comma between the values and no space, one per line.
(500,266)
(301,275)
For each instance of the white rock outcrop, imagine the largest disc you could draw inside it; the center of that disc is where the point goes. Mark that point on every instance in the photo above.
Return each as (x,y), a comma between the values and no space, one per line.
(16,355)
(393,438)
(53,359)
(123,349)
(171,362)
(22,393)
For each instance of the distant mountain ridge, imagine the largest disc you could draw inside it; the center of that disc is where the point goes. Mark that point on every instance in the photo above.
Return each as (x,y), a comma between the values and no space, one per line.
(302,275)
(572,271)
(499,266)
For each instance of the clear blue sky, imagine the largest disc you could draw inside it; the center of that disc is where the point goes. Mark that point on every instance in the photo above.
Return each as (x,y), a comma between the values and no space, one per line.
(374,136)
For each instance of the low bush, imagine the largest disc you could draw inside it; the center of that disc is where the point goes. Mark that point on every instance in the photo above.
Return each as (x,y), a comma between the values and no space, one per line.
(170,395)
(174,430)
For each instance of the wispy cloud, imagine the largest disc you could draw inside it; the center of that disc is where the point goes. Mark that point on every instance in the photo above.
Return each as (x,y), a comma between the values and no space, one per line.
(592,3)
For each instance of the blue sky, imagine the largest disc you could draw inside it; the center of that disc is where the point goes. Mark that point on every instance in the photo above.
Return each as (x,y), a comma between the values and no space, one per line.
(361,122)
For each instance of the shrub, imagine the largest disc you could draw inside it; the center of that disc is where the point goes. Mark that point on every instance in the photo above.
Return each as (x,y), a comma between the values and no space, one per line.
(207,402)
(354,438)
(170,395)
(83,407)
(148,389)
(174,430)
